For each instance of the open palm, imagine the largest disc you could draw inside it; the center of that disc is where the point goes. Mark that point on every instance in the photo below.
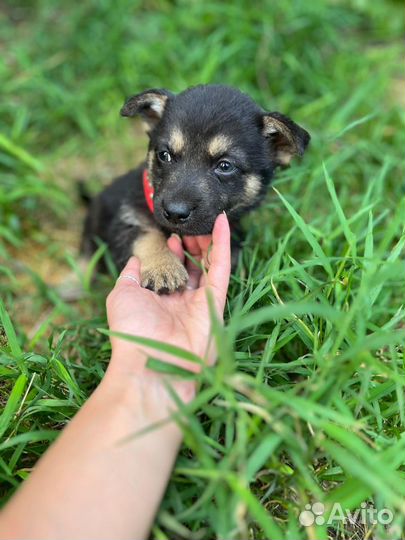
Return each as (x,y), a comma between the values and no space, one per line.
(181,318)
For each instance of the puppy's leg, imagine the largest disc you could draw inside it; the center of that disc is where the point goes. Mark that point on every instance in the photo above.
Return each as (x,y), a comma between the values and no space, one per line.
(161,270)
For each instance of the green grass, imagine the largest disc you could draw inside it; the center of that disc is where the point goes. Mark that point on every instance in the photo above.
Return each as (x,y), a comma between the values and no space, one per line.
(307,400)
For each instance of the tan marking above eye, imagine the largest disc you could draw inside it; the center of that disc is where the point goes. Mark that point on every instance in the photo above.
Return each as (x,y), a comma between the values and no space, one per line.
(219,145)
(176,140)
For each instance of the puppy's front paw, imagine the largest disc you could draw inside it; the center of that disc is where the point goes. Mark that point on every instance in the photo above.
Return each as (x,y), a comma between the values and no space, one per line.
(164,275)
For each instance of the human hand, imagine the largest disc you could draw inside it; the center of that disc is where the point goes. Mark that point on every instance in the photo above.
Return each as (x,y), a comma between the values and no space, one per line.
(182,318)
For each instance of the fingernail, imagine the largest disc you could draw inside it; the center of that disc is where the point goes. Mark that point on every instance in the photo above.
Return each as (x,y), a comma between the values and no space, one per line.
(174,235)
(223,211)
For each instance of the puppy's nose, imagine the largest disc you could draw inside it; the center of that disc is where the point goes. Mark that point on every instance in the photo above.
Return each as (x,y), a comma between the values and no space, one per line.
(177,211)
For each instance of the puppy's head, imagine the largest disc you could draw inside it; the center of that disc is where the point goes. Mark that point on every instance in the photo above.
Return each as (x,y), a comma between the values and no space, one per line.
(212,148)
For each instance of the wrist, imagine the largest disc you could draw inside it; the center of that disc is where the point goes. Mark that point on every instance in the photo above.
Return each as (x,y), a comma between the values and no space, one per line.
(137,404)
(140,384)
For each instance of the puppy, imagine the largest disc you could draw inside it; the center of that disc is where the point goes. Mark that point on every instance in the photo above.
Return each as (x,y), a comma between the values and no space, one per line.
(211,148)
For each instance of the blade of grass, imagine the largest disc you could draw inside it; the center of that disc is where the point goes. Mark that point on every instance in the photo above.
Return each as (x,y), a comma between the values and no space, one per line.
(312,241)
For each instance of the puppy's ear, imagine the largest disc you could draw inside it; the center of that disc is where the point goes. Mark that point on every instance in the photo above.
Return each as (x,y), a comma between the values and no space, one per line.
(286,138)
(149,104)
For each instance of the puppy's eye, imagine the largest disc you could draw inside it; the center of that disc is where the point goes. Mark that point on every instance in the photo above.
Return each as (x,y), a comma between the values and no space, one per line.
(164,156)
(225,167)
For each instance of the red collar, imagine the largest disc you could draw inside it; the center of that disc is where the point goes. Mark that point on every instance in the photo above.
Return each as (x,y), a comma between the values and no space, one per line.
(148,190)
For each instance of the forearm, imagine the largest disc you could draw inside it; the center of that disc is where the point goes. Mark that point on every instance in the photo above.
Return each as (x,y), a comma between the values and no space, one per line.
(96,481)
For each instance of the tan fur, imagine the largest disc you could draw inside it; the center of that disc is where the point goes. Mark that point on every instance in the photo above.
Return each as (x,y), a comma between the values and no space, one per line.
(157,106)
(286,148)
(252,186)
(150,161)
(130,216)
(145,125)
(161,269)
(284,157)
(158,102)
(251,189)
(272,125)
(219,145)
(176,141)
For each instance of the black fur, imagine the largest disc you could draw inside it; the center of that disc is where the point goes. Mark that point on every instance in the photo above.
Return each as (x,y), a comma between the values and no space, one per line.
(104,222)
(191,183)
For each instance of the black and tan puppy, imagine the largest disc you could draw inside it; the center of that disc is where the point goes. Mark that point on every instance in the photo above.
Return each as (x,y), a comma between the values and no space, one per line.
(212,148)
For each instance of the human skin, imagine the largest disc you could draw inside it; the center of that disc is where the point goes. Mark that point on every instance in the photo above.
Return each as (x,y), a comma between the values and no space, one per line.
(96,481)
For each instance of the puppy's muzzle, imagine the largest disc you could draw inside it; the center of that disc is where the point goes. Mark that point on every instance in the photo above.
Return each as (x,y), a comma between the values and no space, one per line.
(177,211)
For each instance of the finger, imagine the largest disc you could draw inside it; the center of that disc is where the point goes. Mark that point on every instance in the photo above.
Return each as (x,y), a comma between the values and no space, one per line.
(130,275)
(203,280)
(204,243)
(191,245)
(194,272)
(220,259)
(175,245)
(194,275)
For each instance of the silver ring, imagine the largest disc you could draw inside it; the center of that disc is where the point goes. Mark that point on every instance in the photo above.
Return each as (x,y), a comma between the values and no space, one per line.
(128,276)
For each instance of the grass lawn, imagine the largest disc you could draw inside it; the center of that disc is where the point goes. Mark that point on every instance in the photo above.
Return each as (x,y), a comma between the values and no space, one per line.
(306,403)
